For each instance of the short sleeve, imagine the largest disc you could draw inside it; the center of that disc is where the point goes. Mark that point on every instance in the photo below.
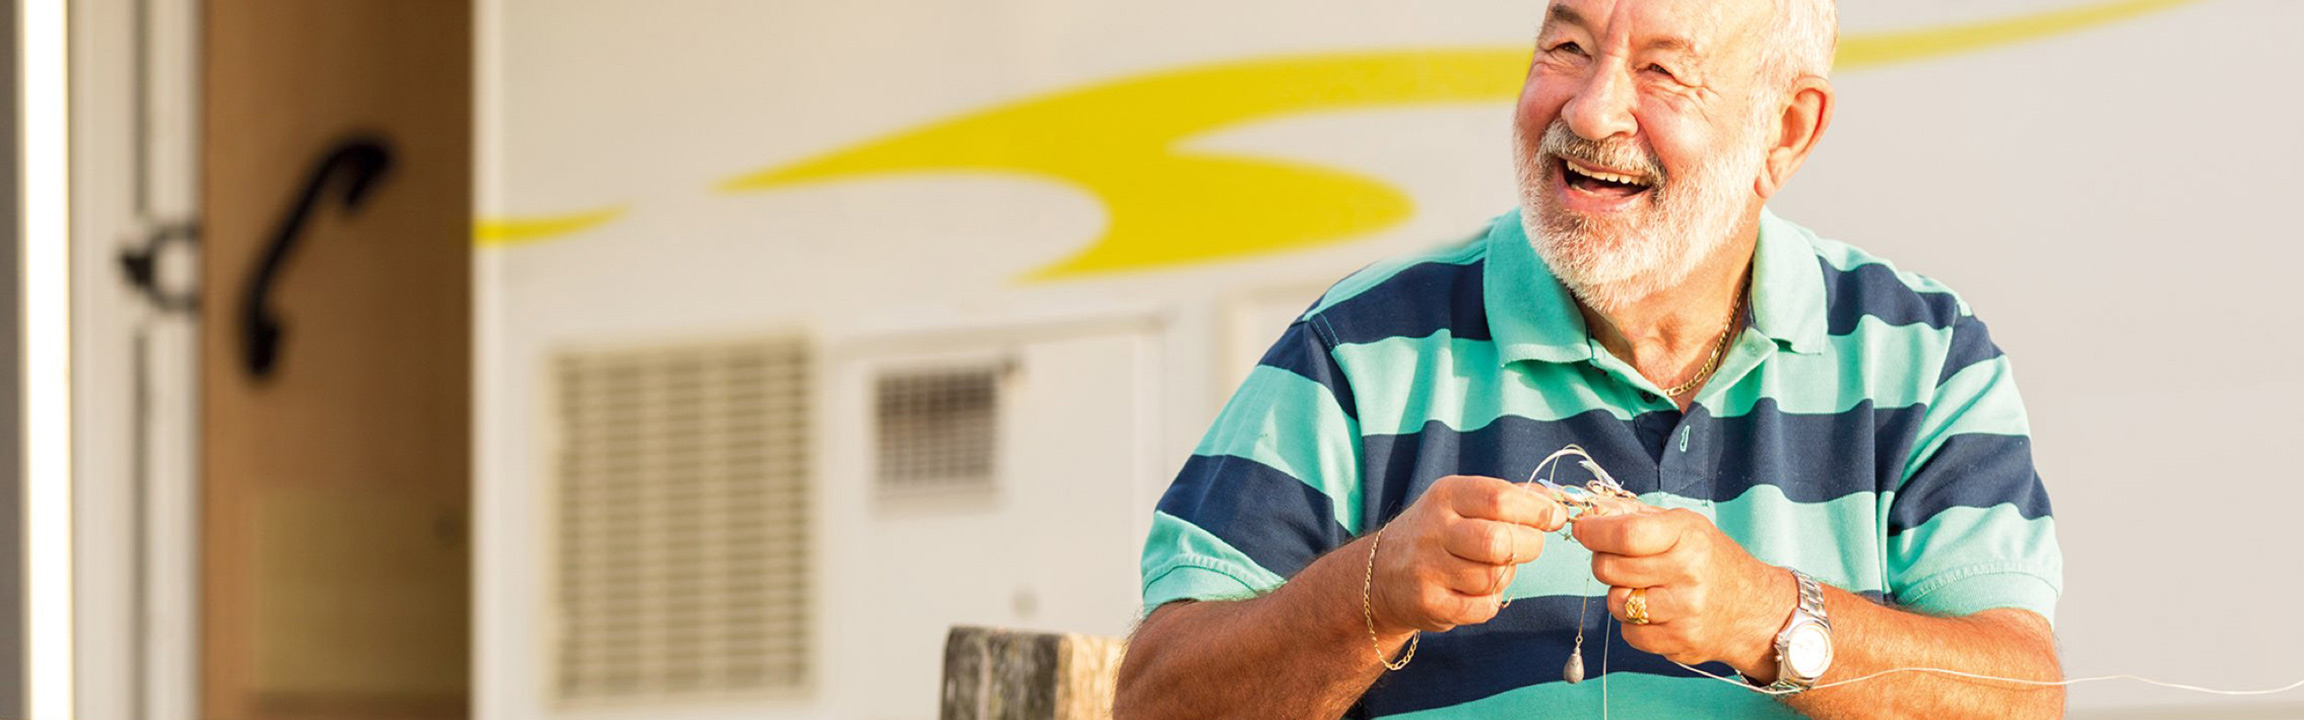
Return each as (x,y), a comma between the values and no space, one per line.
(1969,527)
(1274,484)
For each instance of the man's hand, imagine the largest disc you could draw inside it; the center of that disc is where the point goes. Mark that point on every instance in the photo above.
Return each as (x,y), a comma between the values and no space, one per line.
(1707,598)
(1448,558)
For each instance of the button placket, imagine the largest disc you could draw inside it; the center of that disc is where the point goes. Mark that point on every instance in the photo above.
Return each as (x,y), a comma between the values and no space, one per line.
(1686,463)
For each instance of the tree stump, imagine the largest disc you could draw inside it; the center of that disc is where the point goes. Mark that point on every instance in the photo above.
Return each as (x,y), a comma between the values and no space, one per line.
(992,674)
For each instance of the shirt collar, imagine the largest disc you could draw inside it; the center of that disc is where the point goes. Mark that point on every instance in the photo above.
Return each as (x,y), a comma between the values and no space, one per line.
(1532,316)
(1788,286)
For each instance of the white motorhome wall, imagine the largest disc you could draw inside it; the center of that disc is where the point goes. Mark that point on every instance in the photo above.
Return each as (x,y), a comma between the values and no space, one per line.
(2062,184)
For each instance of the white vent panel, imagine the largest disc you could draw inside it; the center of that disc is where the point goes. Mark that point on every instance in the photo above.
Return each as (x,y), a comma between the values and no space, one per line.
(682,525)
(937,429)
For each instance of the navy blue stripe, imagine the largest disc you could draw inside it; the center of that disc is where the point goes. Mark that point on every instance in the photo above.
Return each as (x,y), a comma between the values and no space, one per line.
(1971,470)
(1416,302)
(1874,290)
(1810,457)
(1300,351)
(1277,520)
(1524,646)
(1398,468)
(1971,344)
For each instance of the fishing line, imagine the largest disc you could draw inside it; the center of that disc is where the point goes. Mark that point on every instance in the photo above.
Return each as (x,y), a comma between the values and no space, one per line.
(1584,501)
(1975,676)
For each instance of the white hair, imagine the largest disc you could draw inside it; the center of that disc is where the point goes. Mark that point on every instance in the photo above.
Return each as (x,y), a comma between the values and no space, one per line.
(1802,39)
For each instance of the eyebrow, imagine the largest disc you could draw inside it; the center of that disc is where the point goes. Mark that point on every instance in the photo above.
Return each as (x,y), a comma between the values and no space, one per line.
(1672,43)
(1561,14)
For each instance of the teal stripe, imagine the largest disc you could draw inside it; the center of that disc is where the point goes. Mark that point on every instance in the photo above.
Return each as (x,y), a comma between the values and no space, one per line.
(1296,426)
(1846,257)
(1457,383)
(1879,362)
(1838,541)
(1979,399)
(1991,591)
(1182,561)
(1463,252)
(1627,695)
(1564,568)
(1963,542)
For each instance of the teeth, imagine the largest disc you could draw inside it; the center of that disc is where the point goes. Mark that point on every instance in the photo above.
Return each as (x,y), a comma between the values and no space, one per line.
(1608,176)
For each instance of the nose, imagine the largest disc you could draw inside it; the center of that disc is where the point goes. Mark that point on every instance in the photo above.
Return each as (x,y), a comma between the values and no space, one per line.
(1602,108)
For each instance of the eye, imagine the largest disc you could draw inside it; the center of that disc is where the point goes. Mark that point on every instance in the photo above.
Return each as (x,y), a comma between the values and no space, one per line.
(1661,70)
(1569,47)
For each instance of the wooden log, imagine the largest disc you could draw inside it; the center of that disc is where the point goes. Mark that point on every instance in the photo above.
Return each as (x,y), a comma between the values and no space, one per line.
(992,674)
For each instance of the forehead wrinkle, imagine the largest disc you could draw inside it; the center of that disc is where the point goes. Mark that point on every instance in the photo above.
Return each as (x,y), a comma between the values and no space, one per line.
(1562,14)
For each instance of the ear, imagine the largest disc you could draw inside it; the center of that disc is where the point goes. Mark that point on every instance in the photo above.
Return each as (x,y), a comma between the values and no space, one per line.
(1807,111)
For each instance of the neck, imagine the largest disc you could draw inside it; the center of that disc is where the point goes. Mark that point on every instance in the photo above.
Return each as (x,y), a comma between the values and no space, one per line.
(1668,335)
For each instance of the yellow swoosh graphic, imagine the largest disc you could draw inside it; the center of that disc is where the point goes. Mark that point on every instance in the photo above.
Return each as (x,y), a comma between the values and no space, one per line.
(1909,45)
(1119,140)
(516,231)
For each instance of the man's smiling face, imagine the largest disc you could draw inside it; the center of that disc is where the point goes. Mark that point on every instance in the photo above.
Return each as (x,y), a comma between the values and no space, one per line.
(1639,136)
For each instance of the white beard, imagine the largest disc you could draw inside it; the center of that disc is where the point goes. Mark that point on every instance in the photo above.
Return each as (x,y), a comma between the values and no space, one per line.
(1609,264)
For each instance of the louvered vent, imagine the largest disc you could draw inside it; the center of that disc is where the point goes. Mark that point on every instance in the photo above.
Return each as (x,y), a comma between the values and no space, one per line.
(683,528)
(938,429)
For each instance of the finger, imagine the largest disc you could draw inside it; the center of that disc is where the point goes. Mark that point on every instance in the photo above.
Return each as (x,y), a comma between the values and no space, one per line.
(1658,599)
(1492,542)
(1476,609)
(1527,544)
(1631,572)
(1469,578)
(1488,498)
(1606,505)
(1637,534)
(1550,513)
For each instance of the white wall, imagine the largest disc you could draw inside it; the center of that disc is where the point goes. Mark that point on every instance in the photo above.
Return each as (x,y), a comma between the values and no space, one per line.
(2118,206)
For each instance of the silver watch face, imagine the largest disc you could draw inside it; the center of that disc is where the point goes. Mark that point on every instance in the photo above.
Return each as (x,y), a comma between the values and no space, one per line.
(1808,651)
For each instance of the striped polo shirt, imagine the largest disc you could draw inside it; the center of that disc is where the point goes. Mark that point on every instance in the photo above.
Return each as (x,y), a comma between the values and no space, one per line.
(1862,428)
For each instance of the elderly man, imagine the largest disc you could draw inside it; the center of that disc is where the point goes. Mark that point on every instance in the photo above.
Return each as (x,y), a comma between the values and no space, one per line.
(1831,460)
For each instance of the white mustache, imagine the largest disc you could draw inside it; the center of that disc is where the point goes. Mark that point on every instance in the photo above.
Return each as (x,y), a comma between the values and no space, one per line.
(1615,155)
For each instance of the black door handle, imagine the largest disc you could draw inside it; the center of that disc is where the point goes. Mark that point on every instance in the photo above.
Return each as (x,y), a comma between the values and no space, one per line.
(142,266)
(361,161)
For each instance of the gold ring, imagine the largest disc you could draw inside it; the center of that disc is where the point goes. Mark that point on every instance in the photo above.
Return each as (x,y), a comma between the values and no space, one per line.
(1636,606)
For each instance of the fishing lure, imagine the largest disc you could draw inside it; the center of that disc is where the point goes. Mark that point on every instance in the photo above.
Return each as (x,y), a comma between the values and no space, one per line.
(1601,495)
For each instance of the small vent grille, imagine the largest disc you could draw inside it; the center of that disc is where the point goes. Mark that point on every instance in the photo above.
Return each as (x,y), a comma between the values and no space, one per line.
(682,522)
(938,429)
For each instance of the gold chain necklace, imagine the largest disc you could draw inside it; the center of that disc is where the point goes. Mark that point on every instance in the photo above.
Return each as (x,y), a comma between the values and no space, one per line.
(1712,362)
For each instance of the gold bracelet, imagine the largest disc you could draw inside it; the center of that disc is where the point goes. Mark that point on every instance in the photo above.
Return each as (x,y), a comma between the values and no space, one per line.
(1368,610)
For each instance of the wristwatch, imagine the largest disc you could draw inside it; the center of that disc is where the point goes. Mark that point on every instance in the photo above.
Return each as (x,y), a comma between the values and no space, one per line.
(1804,647)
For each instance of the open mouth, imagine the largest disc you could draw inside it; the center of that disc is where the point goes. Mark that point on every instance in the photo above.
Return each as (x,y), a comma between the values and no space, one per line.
(1601,182)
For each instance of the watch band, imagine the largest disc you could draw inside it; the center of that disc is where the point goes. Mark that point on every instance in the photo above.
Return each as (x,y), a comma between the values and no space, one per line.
(1810,609)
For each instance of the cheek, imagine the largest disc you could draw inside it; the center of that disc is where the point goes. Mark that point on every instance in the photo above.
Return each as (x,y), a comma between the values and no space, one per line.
(1539,105)
(1677,141)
